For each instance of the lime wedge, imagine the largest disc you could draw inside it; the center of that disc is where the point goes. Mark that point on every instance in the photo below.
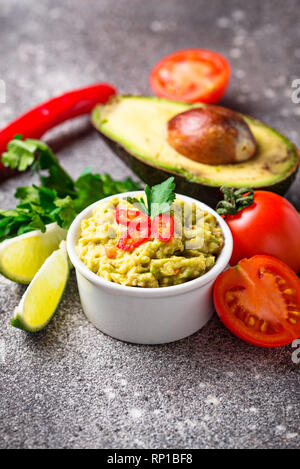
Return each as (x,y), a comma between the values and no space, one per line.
(21,257)
(44,293)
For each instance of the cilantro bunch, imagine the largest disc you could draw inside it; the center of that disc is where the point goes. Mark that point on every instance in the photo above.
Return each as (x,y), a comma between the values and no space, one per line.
(58,198)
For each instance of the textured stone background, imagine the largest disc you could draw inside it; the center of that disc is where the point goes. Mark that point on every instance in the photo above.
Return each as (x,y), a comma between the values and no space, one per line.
(71,386)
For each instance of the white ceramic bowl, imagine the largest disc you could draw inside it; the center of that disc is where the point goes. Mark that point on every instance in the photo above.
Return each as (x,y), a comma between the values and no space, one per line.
(147,315)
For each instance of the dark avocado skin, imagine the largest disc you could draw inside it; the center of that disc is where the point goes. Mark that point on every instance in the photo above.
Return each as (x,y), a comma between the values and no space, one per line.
(210,195)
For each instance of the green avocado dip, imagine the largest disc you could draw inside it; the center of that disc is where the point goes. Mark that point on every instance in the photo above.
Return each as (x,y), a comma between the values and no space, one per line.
(190,253)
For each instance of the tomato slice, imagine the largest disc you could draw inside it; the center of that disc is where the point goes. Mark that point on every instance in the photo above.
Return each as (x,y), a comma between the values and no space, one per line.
(125,215)
(163,227)
(191,75)
(259,301)
(128,243)
(140,226)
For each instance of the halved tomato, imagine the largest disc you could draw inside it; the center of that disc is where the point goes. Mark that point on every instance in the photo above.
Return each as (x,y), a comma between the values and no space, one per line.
(191,75)
(259,301)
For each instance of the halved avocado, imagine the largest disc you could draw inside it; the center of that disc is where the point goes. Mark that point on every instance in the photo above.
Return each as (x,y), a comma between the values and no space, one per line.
(135,127)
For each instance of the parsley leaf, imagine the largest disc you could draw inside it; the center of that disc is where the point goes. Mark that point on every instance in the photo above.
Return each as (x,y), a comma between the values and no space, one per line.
(92,187)
(138,203)
(65,212)
(58,198)
(21,154)
(27,194)
(162,196)
(89,189)
(19,221)
(111,186)
(159,198)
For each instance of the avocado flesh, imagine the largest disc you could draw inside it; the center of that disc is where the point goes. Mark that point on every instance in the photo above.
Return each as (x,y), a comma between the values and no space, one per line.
(139,125)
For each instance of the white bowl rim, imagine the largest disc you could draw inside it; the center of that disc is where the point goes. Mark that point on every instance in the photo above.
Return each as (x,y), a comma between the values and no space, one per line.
(220,265)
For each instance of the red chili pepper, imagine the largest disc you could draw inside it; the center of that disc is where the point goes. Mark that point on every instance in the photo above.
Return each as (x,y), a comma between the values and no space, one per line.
(37,121)
(163,227)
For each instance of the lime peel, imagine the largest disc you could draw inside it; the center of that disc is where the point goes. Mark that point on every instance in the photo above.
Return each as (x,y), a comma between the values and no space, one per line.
(22,256)
(42,298)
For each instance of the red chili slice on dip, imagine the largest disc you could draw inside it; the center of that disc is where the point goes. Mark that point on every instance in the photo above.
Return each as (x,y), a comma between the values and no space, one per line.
(163,227)
(125,215)
(127,243)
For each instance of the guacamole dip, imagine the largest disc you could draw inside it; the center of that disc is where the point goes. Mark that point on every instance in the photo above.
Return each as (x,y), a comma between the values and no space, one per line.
(190,253)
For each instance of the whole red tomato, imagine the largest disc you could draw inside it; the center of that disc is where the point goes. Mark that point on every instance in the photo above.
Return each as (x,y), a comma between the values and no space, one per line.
(271,225)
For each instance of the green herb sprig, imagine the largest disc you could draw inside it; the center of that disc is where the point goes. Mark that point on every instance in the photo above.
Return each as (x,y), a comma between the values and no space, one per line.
(158,198)
(58,198)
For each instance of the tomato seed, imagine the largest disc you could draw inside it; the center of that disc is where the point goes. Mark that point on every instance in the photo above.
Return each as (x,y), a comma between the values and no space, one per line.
(292,321)
(280,281)
(229,296)
(251,321)
(264,326)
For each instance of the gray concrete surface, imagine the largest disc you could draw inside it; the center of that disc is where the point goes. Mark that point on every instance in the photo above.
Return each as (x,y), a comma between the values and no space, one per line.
(71,386)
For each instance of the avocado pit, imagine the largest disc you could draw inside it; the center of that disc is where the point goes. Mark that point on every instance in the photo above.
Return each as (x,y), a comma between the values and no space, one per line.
(211,135)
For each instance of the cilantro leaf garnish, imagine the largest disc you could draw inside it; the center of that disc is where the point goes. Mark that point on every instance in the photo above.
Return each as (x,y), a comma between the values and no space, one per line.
(159,198)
